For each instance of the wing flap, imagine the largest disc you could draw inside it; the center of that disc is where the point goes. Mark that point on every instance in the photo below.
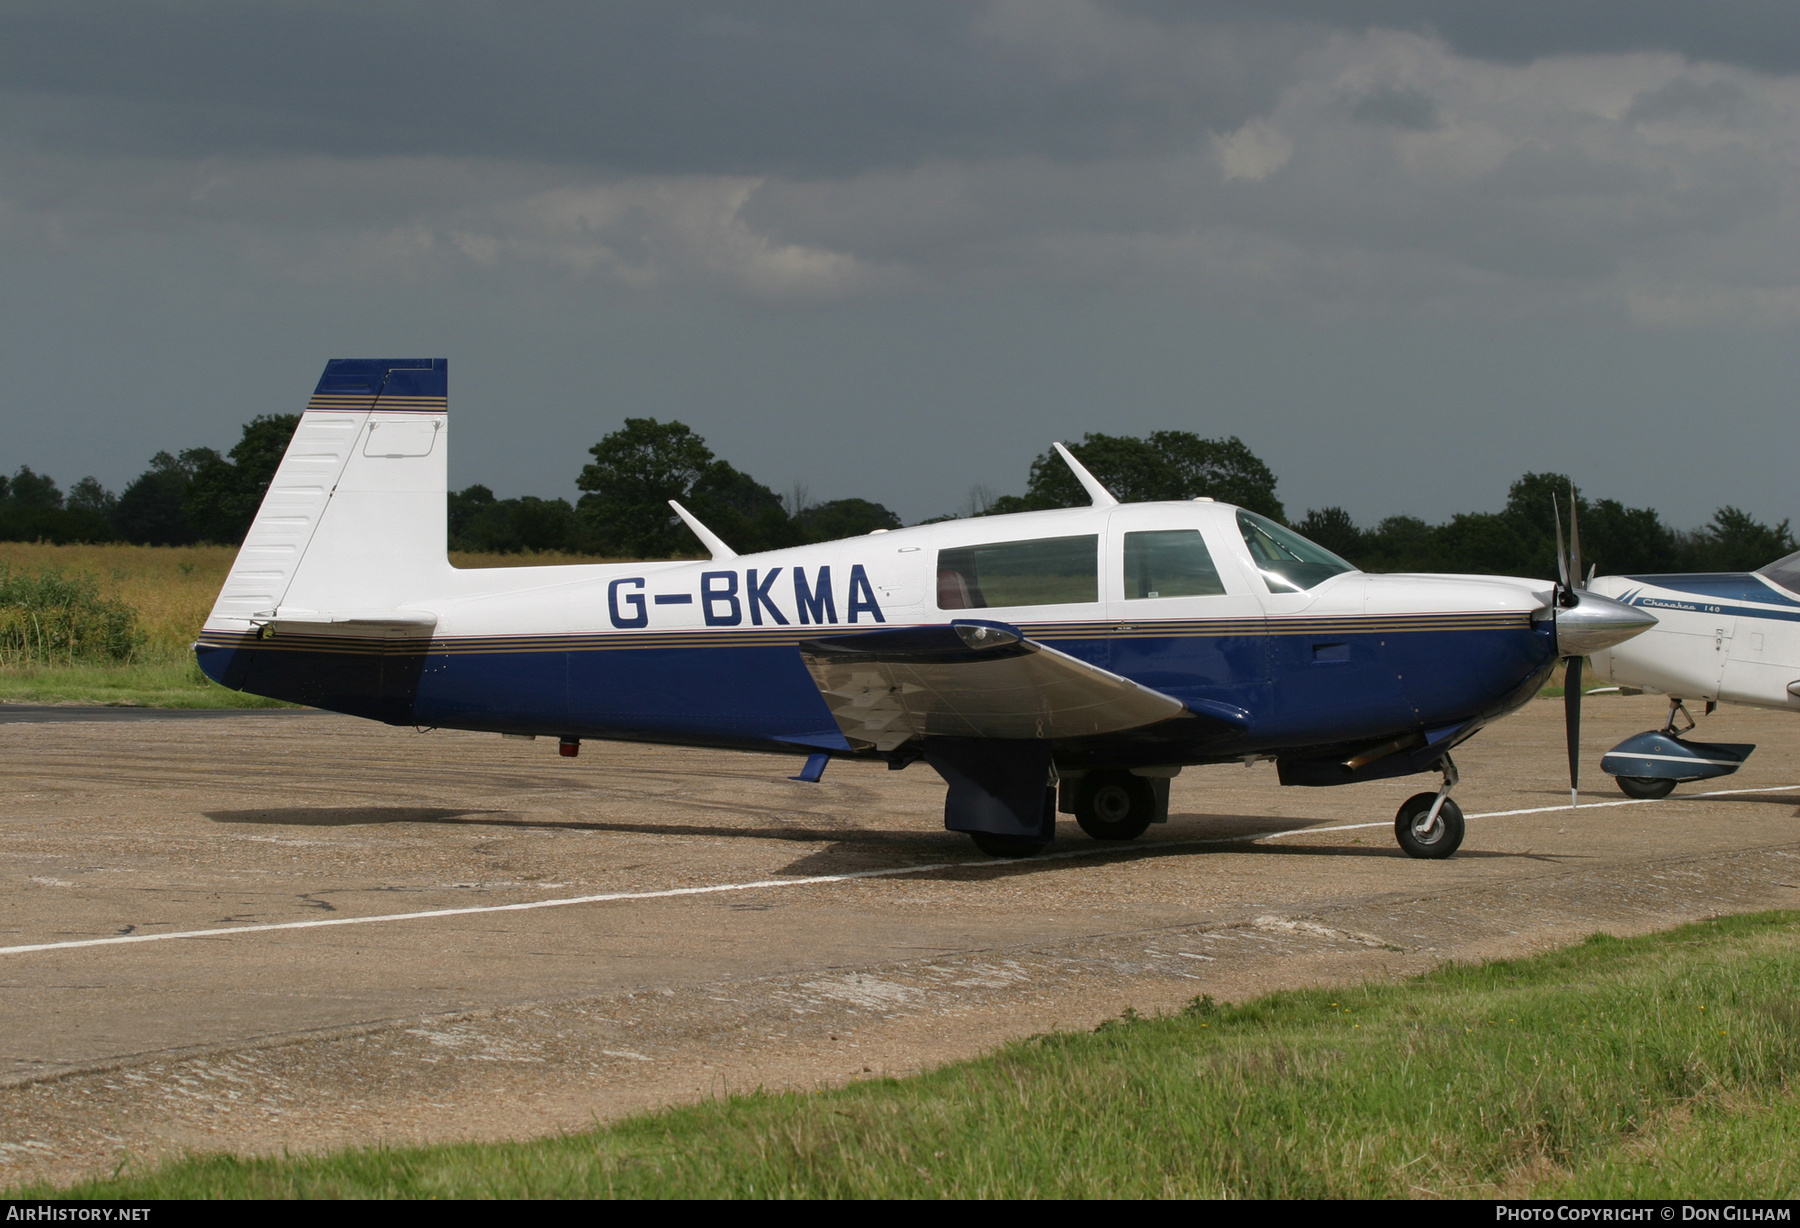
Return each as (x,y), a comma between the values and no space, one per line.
(971,680)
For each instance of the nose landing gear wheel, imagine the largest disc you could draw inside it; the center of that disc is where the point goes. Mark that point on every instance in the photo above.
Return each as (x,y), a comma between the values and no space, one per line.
(1114,805)
(1006,846)
(1645,787)
(1431,840)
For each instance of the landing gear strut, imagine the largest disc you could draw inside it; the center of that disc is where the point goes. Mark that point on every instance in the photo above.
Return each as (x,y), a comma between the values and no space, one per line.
(1430,825)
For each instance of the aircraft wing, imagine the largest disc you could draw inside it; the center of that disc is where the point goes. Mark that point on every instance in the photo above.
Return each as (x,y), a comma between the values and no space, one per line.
(971,680)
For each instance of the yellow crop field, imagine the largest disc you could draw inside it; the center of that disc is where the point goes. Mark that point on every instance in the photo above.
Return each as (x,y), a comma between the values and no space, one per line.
(172,588)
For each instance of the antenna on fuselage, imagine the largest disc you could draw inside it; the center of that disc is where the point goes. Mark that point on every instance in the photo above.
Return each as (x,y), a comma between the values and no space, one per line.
(1101,496)
(707,537)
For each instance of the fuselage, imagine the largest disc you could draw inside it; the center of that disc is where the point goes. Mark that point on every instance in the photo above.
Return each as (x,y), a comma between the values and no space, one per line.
(705,652)
(1731,636)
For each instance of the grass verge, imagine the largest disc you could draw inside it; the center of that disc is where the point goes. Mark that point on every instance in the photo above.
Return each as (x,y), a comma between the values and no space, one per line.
(148,684)
(1641,1067)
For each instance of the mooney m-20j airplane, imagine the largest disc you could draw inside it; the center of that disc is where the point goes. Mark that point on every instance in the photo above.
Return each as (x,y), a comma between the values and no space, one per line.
(1074,659)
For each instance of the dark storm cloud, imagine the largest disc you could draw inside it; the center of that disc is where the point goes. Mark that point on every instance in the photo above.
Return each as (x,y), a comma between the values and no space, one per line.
(647,87)
(1291,148)
(801,87)
(823,231)
(1408,109)
(1758,34)
(1686,99)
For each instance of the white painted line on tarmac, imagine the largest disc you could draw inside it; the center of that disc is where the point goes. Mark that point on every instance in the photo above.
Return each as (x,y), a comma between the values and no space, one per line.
(667,893)
(815,880)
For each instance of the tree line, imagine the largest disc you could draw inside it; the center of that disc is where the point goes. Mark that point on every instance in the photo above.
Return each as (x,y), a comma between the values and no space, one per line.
(1520,539)
(624,508)
(183,497)
(201,495)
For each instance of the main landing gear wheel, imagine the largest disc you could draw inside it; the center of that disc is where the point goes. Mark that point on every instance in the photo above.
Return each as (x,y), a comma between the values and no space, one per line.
(1440,837)
(1114,805)
(1006,846)
(1645,787)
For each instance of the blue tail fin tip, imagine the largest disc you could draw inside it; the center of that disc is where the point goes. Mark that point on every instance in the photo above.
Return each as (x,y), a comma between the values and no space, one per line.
(388,377)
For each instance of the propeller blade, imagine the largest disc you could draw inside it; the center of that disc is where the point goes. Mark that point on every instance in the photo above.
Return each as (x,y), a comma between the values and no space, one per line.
(1572,721)
(1574,543)
(1562,560)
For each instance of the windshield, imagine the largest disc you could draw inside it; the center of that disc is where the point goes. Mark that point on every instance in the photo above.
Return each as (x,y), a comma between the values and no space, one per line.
(1288,562)
(1785,572)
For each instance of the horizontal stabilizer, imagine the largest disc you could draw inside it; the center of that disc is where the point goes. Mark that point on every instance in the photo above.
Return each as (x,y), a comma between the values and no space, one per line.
(971,680)
(363,622)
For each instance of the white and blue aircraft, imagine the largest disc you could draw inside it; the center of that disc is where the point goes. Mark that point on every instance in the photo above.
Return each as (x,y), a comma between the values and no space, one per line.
(1074,659)
(1731,637)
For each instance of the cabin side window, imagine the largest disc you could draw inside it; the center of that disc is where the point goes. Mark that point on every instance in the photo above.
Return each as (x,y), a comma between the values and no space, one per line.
(1169,563)
(1047,571)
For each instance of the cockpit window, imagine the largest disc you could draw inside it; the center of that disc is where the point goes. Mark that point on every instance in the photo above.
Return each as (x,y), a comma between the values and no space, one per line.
(1785,572)
(1288,562)
(1169,563)
(1047,571)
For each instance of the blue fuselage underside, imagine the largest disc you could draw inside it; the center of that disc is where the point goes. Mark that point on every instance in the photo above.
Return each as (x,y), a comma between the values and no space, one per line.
(1300,691)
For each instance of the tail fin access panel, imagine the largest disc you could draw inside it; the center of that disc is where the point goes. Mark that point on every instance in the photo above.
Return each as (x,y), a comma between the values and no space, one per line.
(355,515)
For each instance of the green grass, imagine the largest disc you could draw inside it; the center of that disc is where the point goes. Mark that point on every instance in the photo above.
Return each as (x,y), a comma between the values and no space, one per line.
(149,684)
(1642,1067)
(1748,1150)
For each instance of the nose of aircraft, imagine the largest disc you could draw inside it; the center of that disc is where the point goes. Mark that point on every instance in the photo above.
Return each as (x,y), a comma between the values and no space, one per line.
(1595,622)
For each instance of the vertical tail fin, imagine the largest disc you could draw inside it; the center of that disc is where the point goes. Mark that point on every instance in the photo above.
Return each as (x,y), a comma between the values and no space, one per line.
(354,519)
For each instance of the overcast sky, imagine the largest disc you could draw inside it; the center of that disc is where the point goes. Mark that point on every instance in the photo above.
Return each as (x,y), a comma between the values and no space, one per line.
(1405,250)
